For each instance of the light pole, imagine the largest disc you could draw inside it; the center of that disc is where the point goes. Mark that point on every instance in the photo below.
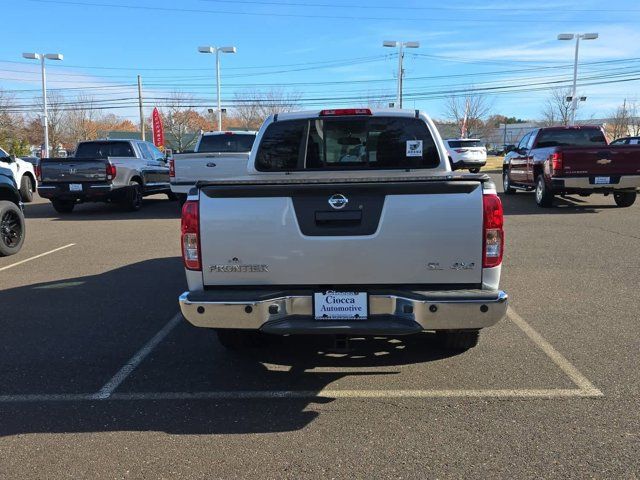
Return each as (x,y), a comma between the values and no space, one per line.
(217,51)
(45,121)
(578,37)
(400,46)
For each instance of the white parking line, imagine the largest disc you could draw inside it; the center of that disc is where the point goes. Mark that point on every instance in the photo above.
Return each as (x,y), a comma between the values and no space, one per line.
(107,392)
(556,357)
(132,364)
(301,394)
(36,257)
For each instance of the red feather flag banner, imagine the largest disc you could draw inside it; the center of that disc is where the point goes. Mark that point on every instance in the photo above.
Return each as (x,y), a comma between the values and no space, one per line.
(158,131)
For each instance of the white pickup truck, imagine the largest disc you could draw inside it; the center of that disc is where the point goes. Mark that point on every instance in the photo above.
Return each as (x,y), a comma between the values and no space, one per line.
(349,222)
(217,155)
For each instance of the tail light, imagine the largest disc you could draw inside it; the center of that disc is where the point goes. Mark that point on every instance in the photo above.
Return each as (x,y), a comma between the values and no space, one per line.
(493,239)
(556,162)
(111,171)
(190,227)
(172,168)
(38,171)
(338,112)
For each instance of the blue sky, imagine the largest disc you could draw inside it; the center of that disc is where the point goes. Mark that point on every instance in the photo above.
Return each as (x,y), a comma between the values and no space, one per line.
(329,52)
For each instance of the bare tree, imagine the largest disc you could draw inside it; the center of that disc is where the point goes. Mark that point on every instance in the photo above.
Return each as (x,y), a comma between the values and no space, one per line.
(81,123)
(181,122)
(57,121)
(6,119)
(469,112)
(253,106)
(634,118)
(557,110)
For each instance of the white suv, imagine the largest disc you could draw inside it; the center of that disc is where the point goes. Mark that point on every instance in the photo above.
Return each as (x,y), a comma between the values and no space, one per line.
(23,173)
(466,153)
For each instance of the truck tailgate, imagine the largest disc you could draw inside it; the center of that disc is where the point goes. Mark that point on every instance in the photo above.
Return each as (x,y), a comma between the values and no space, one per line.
(605,160)
(191,167)
(73,170)
(400,233)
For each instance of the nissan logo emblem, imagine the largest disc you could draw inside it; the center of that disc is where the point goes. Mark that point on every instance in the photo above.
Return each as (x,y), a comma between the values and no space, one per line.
(338,201)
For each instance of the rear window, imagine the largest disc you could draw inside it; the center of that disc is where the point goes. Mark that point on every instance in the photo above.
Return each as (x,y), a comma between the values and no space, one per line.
(229,143)
(104,150)
(464,143)
(570,138)
(347,143)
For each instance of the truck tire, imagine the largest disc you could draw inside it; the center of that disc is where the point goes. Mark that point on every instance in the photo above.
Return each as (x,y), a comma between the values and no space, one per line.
(172,197)
(506,183)
(544,196)
(26,189)
(133,197)
(458,340)
(63,206)
(624,199)
(233,339)
(12,228)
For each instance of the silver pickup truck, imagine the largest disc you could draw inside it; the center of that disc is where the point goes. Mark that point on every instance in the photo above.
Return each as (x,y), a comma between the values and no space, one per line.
(217,155)
(121,171)
(349,222)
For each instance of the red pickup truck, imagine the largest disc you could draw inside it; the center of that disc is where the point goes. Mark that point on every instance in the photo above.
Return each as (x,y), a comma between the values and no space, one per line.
(572,160)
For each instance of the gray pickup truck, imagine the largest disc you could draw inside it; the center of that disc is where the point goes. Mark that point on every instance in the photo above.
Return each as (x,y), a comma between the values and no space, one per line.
(121,171)
(347,222)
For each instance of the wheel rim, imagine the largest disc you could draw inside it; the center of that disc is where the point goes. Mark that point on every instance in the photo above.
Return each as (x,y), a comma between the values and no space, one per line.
(10,229)
(539,191)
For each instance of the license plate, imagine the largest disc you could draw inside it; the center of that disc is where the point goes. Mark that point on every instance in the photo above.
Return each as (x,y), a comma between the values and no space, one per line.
(602,180)
(332,305)
(75,187)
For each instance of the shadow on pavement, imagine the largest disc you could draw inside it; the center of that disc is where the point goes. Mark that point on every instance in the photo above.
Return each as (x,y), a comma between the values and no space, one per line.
(155,207)
(71,336)
(523,203)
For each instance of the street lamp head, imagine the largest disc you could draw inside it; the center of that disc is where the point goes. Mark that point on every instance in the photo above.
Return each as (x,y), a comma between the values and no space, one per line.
(565,36)
(412,44)
(390,43)
(228,49)
(589,36)
(207,49)
(32,56)
(54,56)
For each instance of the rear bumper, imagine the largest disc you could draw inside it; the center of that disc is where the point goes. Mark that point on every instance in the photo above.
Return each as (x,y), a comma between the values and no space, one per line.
(90,191)
(393,312)
(618,182)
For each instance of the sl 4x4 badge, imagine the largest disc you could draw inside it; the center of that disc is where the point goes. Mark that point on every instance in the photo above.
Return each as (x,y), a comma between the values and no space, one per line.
(463,266)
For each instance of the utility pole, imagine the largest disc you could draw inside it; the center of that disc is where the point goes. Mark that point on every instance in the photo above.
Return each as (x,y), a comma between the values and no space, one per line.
(140,105)
(400,73)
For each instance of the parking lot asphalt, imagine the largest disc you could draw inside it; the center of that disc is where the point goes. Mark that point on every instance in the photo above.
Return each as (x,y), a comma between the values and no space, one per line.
(100,378)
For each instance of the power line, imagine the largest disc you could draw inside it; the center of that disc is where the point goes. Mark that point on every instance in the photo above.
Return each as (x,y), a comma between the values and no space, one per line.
(317,16)
(429,8)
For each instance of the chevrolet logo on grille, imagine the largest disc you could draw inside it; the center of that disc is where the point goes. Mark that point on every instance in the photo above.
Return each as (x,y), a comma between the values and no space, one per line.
(603,161)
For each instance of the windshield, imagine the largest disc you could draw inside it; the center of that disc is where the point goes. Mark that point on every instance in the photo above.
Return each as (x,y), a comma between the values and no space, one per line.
(464,143)
(347,143)
(104,150)
(571,138)
(228,142)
